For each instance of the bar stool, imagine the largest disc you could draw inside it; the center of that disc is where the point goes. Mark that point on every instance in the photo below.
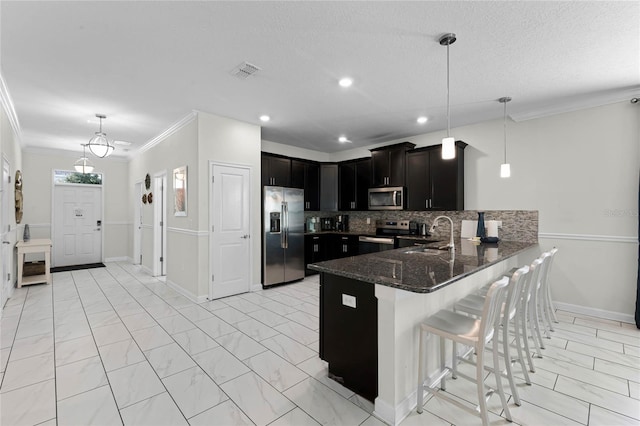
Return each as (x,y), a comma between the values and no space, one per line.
(546,306)
(476,333)
(510,314)
(530,312)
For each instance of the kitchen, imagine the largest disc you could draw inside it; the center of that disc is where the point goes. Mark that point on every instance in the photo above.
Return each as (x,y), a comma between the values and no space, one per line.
(572,162)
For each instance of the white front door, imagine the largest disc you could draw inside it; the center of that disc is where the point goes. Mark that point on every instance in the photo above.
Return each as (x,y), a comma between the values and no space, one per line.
(77,224)
(6,252)
(230,243)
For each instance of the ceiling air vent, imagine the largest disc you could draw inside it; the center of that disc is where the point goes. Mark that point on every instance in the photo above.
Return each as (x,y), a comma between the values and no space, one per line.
(245,70)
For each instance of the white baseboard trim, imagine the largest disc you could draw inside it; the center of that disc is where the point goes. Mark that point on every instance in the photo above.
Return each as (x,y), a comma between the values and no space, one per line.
(384,411)
(118,259)
(256,287)
(186,293)
(595,312)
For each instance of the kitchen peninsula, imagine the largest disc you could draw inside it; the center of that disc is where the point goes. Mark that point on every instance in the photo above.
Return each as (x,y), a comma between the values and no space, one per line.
(370,307)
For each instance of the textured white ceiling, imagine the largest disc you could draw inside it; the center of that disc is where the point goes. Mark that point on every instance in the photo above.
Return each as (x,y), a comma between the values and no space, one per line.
(148,64)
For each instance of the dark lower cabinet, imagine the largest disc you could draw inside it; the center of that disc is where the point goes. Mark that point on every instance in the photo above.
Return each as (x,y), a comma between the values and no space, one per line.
(315,250)
(349,333)
(344,246)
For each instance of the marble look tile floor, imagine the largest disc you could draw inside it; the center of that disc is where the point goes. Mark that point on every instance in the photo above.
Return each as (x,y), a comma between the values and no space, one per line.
(114,346)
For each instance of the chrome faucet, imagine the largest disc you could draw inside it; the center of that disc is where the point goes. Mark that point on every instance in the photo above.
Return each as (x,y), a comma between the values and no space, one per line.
(451,246)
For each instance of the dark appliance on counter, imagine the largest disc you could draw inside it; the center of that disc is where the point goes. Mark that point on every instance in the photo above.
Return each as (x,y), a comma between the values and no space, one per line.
(342,223)
(327,224)
(385,239)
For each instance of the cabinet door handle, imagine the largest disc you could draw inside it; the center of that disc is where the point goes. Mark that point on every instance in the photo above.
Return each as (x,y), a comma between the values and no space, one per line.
(430,203)
(426,203)
(315,248)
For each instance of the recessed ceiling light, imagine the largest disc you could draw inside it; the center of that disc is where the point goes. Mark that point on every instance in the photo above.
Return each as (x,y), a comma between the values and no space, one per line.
(343,139)
(422,120)
(345,82)
(264,118)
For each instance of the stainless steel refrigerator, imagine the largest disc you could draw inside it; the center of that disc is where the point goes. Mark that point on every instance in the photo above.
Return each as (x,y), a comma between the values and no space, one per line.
(283,239)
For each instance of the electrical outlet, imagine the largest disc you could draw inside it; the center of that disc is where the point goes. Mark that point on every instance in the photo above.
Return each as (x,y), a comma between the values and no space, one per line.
(368,221)
(348,300)
(499,223)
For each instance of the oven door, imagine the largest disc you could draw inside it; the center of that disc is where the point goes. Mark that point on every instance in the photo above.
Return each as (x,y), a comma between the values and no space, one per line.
(374,244)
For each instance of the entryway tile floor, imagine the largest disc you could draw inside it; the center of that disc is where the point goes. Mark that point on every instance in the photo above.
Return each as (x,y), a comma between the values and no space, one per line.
(116,346)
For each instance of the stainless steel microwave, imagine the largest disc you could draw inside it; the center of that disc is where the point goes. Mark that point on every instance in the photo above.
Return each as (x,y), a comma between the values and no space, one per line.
(391,198)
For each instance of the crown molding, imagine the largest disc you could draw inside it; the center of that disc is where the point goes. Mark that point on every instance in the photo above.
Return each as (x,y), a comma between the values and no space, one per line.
(577,103)
(168,132)
(7,104)
(72,154)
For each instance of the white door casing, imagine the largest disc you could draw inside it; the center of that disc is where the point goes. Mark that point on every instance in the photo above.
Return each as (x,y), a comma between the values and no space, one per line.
(230,212)
(77,224)
(159,224)
(137,224)
(6,251)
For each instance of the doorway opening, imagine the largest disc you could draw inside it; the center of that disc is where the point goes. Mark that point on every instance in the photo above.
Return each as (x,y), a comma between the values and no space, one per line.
(137,224)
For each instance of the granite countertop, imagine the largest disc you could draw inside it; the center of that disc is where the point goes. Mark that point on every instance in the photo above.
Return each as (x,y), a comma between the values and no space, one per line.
(422,272)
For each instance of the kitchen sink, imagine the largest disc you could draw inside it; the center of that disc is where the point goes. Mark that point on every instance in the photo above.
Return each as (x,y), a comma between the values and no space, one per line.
(434,249)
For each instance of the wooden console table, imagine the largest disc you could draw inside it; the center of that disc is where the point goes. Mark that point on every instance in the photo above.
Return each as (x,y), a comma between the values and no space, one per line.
(34,246)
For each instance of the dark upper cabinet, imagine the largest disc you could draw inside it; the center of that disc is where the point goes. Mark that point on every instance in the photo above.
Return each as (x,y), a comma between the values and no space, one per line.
(306,175)
(434,183)
(354,179)
(388,164)
(329,187)
(276,171)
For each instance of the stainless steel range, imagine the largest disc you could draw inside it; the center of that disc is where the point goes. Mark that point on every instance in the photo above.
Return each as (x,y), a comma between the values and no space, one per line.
(386,231)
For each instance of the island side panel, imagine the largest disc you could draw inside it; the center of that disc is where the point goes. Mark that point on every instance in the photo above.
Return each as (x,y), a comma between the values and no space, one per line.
(348,335)
(399,315)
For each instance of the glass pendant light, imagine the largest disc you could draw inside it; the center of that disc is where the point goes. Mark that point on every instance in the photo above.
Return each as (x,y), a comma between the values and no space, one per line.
(448,143)
(505,168)
(83,165)
(99,144)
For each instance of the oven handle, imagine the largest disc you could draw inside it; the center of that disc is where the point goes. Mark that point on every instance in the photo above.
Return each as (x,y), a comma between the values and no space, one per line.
(377,240)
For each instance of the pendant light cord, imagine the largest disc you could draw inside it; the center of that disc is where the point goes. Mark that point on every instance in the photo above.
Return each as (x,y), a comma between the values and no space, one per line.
(448,101)
(505,132)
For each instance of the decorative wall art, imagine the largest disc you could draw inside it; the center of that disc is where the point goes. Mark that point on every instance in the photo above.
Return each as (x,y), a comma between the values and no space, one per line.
(150,198)
(18,196)
(147,182)
(180,191)
(144,198)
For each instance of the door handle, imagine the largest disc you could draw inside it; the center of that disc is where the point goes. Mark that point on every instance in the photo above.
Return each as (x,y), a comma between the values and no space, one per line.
(244,237)
(97,229)
(6,242)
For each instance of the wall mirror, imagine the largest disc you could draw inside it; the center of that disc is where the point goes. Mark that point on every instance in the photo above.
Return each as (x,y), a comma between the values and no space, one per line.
(180,191)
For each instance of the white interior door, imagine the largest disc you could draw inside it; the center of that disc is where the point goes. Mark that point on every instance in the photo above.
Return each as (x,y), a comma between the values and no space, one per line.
(230,237)
(159,225)
(77,223)
(137,224)
(6,251)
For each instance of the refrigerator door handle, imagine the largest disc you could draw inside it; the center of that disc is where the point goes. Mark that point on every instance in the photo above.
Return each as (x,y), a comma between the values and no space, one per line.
(285,230)
(283,226)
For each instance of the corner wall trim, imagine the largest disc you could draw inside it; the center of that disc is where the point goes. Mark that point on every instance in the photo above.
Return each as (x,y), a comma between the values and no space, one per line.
(587,237)
(7,104)
(168,132)
(595,312)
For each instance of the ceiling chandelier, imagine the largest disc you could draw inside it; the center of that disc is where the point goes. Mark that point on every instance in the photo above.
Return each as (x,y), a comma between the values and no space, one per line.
(449,142)
(83,165)
(99,144)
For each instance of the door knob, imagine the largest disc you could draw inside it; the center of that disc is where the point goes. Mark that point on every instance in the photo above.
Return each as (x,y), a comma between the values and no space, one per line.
(244,237)
(97,229)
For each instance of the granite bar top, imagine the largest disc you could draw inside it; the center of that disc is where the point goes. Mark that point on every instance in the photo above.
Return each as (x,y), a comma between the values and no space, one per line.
(422,272)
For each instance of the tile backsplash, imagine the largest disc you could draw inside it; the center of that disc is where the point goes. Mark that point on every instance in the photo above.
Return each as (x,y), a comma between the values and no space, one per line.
(517,225)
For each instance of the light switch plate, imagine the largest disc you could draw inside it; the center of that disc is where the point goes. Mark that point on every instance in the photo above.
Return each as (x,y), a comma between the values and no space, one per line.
(348,300)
